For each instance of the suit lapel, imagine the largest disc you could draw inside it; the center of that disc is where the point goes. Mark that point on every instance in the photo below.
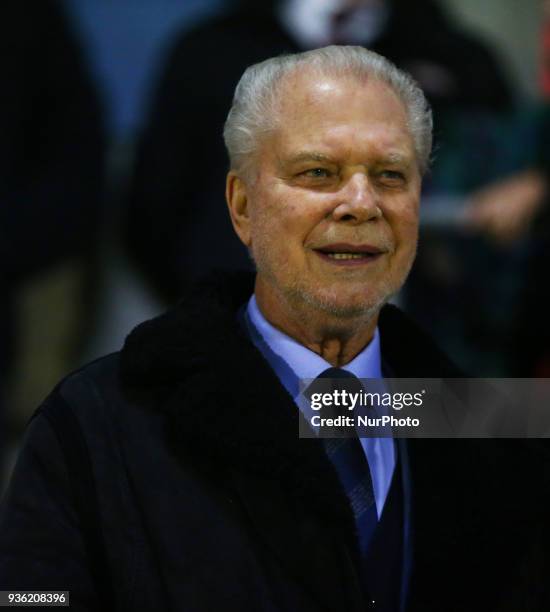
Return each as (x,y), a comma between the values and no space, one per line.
(408,542)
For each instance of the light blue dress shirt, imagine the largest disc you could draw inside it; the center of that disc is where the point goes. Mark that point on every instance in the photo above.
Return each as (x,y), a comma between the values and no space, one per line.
(292,361)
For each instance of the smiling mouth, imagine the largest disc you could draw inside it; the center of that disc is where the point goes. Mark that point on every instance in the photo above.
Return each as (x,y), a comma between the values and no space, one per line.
(349,254)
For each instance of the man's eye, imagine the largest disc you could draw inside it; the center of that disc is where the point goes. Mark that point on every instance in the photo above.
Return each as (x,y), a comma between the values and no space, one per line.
(392,175)
(317,173)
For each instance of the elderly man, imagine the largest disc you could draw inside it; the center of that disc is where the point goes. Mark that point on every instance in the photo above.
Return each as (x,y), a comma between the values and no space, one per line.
(171,476)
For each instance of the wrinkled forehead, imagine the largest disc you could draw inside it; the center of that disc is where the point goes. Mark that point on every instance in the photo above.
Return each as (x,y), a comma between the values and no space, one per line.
(309,90)
(319,106)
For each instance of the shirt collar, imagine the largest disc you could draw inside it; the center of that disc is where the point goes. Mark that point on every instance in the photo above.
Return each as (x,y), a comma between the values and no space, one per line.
(305,363)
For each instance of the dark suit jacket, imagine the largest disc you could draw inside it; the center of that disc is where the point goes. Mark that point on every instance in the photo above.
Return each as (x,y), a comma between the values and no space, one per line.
(206,499)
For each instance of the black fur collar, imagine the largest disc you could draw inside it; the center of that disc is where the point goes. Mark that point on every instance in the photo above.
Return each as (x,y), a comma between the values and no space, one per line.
(203,330)
(225,404)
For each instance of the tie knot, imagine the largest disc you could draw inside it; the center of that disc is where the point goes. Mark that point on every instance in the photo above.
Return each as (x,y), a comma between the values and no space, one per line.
(337,373)
(333,379)
(329,398)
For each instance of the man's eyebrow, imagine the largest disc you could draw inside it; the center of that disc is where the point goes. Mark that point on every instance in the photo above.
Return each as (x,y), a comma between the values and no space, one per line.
(302,156)
(393,158)
(396,158)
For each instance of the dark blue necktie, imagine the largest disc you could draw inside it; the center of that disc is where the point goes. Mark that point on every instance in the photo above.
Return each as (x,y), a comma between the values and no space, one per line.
(349,459)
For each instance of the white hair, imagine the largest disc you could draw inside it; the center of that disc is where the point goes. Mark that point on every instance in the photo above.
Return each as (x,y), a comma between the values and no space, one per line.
(254,108)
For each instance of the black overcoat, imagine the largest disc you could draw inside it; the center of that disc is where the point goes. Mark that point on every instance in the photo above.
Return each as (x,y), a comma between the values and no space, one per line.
(201,497)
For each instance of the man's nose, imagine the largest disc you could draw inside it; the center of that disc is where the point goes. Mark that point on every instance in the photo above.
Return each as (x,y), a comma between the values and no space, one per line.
(358,201)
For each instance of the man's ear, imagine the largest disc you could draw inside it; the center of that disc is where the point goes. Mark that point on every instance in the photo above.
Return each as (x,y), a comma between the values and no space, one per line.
(237,201)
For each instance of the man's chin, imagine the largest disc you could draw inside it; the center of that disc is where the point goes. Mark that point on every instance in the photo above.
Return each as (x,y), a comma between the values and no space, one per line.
(346,307)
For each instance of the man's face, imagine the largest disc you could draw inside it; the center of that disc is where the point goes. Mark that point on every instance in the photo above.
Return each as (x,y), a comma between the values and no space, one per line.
(332,214)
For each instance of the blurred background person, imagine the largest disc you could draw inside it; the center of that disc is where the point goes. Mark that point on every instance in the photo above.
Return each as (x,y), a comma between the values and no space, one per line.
(514,212)
(51,166)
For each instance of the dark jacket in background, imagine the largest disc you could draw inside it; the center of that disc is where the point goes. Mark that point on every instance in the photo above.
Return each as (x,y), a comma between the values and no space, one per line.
(206,498)
(531,330)
(51,147)
(51,157)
